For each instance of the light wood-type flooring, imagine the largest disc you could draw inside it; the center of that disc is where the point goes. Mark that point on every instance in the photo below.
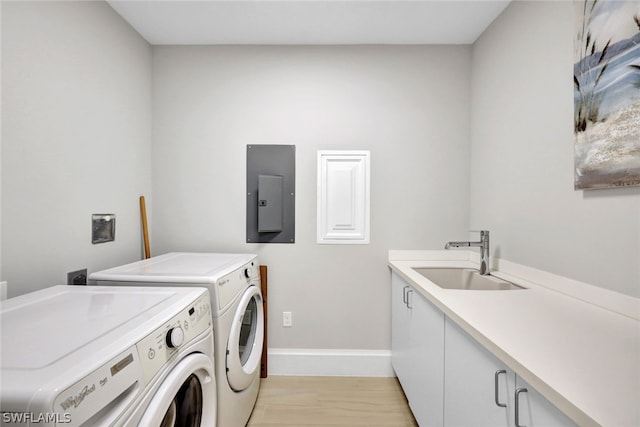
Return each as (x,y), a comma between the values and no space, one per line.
(331,401)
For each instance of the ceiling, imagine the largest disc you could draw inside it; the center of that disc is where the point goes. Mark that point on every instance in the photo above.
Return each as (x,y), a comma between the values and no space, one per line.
(325,22)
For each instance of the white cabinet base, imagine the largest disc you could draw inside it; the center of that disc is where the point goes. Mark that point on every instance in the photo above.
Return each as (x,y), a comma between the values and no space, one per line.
(418,351)
(450,379)
(470,374)
(477,383)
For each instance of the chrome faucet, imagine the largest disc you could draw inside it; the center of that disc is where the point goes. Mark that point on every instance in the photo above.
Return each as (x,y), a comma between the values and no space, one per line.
(483,244)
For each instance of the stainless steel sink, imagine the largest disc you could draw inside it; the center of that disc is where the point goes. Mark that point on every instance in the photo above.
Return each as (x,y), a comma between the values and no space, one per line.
(465,279)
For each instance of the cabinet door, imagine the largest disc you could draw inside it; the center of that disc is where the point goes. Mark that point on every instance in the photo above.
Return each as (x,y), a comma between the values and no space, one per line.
(417,351)
(400,324)
(534,410)
(473,391)
(472,386)
(426,353)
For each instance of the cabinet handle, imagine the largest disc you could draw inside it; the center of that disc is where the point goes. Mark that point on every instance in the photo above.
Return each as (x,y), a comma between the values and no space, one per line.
(517,402)
(404,295)
(410,300)
(497,388)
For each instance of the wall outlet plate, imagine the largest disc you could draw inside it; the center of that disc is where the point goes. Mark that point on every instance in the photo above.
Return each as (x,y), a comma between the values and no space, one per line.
(287,319)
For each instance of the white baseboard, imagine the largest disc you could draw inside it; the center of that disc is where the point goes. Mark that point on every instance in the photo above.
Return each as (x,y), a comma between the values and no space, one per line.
(322,362)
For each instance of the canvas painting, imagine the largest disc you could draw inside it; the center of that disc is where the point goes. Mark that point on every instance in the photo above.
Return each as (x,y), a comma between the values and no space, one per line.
(606,78)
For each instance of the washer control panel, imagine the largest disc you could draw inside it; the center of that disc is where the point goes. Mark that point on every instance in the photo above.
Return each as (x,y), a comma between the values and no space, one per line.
(77,403)
(157,348)
(175,337)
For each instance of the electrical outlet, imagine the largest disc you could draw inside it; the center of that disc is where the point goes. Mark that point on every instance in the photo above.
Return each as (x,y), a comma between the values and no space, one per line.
(78,277)
(287,319)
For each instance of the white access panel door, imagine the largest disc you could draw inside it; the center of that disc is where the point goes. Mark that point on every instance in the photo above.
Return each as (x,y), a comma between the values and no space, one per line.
(343,197)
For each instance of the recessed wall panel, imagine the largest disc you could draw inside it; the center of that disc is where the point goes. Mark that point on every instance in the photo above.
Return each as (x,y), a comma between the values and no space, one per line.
(343,197)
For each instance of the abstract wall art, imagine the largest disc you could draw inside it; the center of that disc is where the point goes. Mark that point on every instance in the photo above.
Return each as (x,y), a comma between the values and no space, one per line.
(606,78)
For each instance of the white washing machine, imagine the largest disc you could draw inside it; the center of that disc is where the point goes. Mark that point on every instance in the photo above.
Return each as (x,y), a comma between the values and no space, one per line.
(237,309)
(105,356)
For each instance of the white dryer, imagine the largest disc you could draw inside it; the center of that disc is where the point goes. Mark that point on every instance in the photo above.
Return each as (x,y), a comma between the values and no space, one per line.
(105,356)
(237,308)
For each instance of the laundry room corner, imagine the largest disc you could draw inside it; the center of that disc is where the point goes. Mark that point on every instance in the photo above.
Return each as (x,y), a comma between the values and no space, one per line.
(76,138)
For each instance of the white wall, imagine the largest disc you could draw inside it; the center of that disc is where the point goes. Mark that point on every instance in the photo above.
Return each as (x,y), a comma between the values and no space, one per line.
(408,105)
(4,290)
(522,157)
(76,138)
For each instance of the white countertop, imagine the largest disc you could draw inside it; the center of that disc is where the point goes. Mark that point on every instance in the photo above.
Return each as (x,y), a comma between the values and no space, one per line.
(583,358)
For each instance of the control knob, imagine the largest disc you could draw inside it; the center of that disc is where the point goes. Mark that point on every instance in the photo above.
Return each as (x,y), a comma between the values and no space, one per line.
(175,337)
(248,272)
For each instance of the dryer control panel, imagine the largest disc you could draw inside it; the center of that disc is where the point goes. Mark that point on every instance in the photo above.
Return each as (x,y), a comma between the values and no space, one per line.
(157,348)
(231,286)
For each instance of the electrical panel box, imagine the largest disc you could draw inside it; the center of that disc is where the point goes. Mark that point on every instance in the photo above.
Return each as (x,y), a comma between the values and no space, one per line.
(271,193)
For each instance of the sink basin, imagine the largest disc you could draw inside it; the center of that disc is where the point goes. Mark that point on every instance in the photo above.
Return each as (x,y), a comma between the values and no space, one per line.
(465,279)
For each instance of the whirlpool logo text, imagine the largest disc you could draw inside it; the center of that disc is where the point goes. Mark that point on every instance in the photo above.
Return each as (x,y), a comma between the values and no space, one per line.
(77,399)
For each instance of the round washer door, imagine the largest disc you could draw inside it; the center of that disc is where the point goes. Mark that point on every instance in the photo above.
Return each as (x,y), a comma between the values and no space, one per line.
(244,348)
(186,397)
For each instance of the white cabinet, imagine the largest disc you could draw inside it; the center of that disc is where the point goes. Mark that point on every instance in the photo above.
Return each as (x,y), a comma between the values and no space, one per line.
(418,351)
(536,410)
(450,379)
(400,325)
(426,355)
(480,390)
(470,383)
